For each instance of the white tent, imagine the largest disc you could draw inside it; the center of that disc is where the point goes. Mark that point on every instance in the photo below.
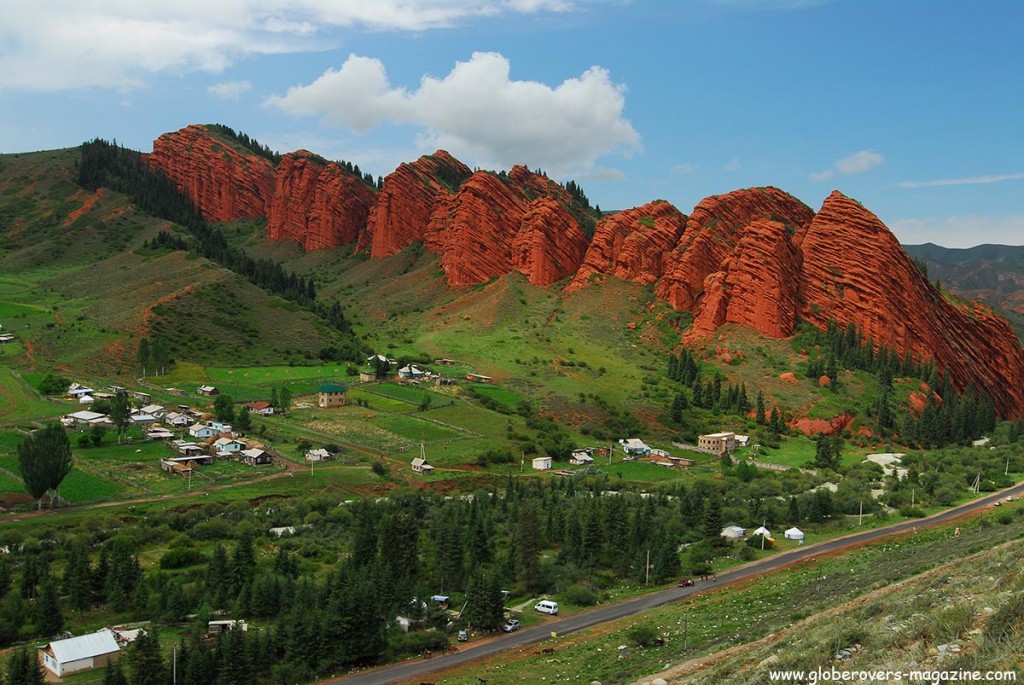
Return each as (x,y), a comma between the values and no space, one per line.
(794,534)
(763,531)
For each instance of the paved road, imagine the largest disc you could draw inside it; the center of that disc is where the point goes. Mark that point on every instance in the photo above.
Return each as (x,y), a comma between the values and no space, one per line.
(571,624)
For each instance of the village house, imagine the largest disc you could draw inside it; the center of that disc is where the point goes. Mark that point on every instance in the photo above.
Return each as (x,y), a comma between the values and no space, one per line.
(154,409)
(187,449)
(86,418)
(82,653)
(635,447)
(261,408)
(227,447)
(142,419)
(201,431)
(76,390)
(478,378)
(215,628)
(411,373)
(542,463)
(331,395)
(158,433)
(733,533)
(142,396)
(207,390)
(581,457)
(256,457)
(718,443)
(6,338)
(178,420)
(420,465)
(317,455)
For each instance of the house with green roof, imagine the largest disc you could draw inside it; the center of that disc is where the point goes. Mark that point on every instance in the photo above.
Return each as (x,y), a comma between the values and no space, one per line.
(331,395)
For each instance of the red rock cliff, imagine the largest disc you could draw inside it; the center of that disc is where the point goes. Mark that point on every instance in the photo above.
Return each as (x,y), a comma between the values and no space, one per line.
(224,181)
(712,232)
(499,223)
(855,270)
(632,244)
(319,205)
(406,202)
(758,285)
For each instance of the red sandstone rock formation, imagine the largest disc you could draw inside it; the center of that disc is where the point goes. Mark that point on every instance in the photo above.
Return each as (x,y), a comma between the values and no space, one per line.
(224,180)
(855,270)
(549,245)
(632,244)
(499,223)
(319,205)
(407,200)
(712,232)
(757,285)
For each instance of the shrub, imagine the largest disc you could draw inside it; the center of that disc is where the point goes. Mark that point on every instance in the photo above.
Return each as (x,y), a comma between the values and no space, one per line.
(912,512)
(380,468)
(181,557)
(1008,621)
(580,595)
(642,635)
(416,642)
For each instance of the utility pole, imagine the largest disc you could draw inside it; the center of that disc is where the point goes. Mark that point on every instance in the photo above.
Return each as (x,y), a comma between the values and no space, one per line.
(647,569)
(861,521)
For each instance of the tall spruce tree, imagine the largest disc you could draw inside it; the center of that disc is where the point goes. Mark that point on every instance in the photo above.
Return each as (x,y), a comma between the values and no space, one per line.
(44,458)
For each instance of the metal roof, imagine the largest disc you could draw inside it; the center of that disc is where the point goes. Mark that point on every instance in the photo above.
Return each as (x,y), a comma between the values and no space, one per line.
(84,646)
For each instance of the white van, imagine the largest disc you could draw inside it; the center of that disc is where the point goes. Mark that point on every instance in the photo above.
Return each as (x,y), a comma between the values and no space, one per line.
(546,607)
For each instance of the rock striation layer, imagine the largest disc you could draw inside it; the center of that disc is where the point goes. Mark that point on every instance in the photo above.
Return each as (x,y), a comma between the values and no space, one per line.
(632,244)
(224,180)
(318,203)
(855,270)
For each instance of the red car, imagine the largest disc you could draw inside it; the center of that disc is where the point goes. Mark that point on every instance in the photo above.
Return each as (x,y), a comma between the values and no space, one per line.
(685,582)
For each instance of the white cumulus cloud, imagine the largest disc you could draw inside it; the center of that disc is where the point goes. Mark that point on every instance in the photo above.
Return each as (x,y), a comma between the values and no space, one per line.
(229,90)
(857,163)
(70,44)
(478,112)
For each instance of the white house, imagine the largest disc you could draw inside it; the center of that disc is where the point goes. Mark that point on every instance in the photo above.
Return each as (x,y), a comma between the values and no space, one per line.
(542,463)
(179,420)
(261,408)
(318,455)
(733,533)
(635,447)
(794,534)
(228,445)
(63,657)
(420,465)
(158,433)
(202,430)
(411,372)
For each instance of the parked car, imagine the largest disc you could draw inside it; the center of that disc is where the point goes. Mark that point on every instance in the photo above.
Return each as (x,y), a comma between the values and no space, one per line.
(462,636)
(512,624)
(685,582)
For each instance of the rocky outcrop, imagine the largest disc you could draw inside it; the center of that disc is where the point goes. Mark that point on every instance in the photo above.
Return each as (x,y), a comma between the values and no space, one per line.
(550,243)
(855,270)
(632,244)
(712,232)
(406,202)
(498,223)
(318,204)
(224,180)
(757,285)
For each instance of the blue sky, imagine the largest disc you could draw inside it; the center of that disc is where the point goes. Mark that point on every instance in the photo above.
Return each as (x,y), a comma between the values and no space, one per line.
(913,107)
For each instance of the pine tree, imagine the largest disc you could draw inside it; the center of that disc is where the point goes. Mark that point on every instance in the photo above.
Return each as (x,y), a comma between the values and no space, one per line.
(113,674)
(23,668)
(49,617)
(145,662)
(712,520)
(759,416)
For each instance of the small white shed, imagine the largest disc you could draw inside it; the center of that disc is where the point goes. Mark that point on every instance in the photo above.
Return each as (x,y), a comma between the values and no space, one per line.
(542,463)
(733,533)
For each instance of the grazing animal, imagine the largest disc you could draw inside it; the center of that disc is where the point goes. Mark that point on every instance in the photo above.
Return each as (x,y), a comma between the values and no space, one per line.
(426,654)
(451,649)
(548,650)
